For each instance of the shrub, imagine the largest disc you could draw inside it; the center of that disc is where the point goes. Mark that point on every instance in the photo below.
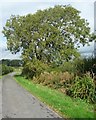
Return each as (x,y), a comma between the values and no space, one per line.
(83,65)
(67,67)
(34,68)
(84,88)
(0,69)
(54,79)
(6,69)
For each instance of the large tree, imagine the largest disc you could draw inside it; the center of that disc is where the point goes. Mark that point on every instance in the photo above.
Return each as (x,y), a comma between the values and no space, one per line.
(50,35)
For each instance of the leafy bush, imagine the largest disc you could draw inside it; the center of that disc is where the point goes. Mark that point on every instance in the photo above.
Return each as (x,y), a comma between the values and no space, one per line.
(83,65)
(0,70)
(68,77)
(77,66)
(53,79)
(67,67)
(6,69)
(84,88)
(34,68)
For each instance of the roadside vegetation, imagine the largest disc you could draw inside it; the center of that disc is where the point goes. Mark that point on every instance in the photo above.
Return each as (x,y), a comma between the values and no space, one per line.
(49,40)
(61,103)
(13,63)
(7,66)
(0,71)
(72,94)
(6,69)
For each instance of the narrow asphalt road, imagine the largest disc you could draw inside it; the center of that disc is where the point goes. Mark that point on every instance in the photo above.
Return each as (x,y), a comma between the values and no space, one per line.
(19,103)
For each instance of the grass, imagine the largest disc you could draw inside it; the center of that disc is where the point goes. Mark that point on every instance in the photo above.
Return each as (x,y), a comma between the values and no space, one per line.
(0,76)
(62,104)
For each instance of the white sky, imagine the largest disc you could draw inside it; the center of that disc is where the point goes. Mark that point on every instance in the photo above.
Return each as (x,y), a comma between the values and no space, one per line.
(22,7)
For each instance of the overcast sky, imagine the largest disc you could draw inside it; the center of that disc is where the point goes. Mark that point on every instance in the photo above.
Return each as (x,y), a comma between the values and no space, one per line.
(23,7)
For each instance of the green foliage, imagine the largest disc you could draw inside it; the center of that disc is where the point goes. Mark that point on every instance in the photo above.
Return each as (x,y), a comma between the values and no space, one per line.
(83,65)
(54,79)
(49,40)
(88,63)
(0,70)
(49,35)
(84,88)
(34,68)
(67,66)
(13,63)
(78,66)
(16,63)
(61,103)
(6,69)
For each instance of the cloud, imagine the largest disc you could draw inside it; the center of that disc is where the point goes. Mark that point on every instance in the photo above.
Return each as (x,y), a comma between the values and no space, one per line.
(8,55)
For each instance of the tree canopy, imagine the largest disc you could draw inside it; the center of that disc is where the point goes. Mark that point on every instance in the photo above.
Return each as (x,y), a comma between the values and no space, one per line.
(50,35)
(12,63)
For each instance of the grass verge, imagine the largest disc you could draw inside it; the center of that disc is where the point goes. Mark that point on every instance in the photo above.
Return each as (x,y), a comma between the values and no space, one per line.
(62,104)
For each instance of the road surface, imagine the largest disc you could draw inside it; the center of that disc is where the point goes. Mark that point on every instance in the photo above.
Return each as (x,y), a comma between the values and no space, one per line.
(19,103)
